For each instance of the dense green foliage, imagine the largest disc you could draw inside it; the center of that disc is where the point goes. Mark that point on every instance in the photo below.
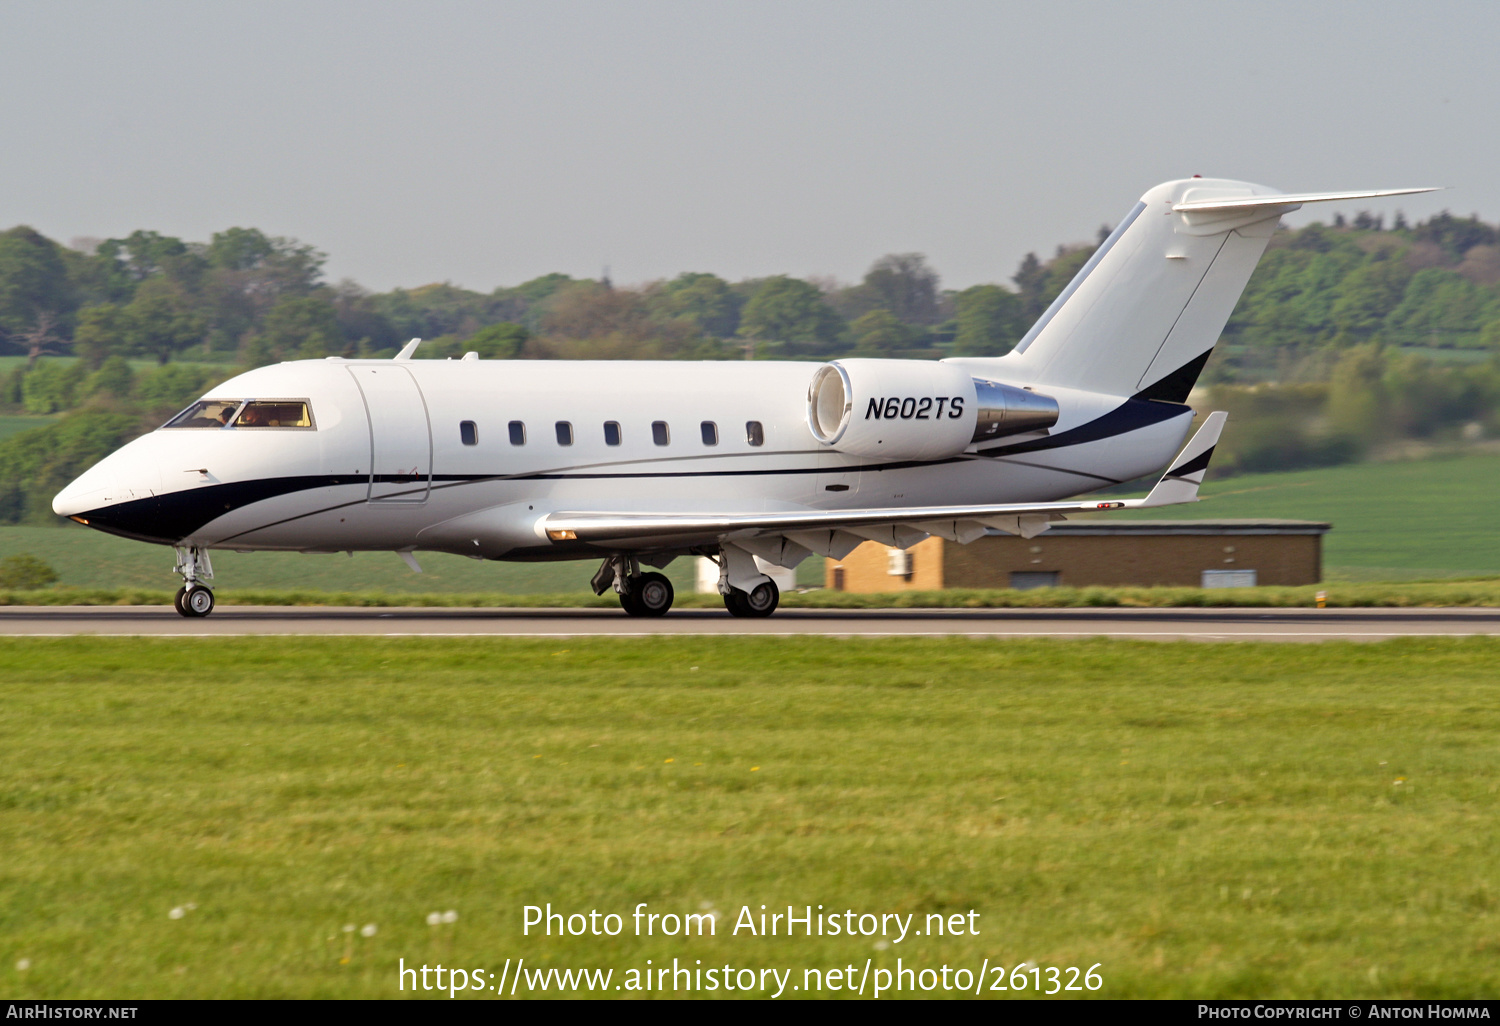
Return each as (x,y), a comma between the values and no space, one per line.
(25,572)
(1437,284)
(250,298)
(203,817)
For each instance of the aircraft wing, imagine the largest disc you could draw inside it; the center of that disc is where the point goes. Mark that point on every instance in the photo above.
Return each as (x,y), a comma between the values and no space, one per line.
(813,529)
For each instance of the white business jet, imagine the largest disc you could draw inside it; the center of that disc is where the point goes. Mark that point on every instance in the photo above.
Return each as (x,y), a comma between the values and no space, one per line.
(642,462)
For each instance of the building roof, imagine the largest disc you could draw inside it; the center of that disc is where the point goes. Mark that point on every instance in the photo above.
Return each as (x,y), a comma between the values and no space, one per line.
(1096,528)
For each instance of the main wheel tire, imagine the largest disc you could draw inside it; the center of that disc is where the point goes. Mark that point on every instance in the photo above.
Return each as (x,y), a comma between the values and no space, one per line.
(198,601)
(177,602)
(760,601)
(649,595)
(653,594)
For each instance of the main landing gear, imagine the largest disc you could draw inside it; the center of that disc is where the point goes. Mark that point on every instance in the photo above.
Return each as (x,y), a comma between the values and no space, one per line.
(761,600)
(194,598)
(648,594)
(762,596)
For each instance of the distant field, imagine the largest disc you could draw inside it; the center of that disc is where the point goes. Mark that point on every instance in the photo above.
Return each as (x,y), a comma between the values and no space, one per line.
(1392,520)
(1204,820)
(226,361)
(15,424)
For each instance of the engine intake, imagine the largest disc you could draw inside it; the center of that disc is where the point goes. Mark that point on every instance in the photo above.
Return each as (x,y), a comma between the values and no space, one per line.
(916,409)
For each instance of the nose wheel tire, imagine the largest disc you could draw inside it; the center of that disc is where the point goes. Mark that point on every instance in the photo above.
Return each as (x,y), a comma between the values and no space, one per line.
(194,601)
(649,595)
(760,601)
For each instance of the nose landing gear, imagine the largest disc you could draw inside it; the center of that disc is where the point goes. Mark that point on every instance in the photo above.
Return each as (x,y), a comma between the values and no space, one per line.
(194,598)
(194,601)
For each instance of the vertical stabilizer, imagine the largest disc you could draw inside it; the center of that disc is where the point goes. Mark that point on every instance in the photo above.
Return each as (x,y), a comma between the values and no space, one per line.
(1142,316)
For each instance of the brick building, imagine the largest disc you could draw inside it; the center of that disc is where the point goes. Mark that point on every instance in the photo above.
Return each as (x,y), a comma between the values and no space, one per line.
(1195,553)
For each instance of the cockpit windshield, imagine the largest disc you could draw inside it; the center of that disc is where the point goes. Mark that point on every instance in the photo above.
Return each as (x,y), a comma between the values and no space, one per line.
(239,413)
(206,413)
(284,413)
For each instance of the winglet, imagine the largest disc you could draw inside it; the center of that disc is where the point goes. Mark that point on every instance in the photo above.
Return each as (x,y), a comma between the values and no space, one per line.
(408,350)
(1180,482)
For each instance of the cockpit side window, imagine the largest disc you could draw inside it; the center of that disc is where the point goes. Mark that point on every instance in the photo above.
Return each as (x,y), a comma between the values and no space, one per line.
(206,413)
(275,413)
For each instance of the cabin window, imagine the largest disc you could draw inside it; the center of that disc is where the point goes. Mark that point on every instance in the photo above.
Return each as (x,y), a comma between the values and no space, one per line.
(611,432)
(754,433)
(710,432)
(206,413)
(517,433)
(659,433)
(468,432)
(274,413)
(564,433)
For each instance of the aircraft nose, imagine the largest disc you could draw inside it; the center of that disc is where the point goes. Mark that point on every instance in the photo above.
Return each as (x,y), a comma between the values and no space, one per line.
(88,491)
(130,474)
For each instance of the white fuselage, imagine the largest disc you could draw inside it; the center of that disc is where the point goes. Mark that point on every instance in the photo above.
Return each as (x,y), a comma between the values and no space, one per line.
(385,465)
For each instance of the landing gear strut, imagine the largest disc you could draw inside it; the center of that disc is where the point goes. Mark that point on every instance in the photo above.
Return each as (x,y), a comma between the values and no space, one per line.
(194,598)
(648,594)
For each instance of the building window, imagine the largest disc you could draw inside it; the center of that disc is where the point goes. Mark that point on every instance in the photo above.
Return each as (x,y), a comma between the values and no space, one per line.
(1229,579)
(659,433)
(1025,580)
(468,432)
(754,433)
(564,433)
(517,433)
(710,432)
(611,432)
(838,578)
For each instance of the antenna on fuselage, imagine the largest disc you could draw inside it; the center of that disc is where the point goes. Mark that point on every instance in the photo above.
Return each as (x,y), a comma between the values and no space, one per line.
(408,349)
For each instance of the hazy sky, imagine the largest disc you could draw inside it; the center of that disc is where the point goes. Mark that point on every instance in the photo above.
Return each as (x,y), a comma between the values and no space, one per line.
(486,143)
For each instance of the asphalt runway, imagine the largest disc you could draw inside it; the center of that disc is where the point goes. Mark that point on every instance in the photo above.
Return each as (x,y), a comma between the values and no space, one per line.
(1138,624)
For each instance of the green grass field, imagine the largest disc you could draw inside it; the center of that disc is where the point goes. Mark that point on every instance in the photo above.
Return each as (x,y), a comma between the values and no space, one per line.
(11,425)
(1434,517)
(1204,820)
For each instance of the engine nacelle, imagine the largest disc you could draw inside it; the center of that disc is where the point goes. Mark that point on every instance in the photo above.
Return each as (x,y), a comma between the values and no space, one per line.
(916,409)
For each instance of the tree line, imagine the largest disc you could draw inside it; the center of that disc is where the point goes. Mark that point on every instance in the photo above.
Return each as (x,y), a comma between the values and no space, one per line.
(252,299)
(247,298)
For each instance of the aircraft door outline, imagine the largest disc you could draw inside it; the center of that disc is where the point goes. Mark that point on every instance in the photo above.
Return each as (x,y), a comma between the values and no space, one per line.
(400,434)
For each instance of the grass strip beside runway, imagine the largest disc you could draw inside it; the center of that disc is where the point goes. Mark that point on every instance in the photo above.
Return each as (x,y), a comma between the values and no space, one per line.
(1465,593)
(1204,820)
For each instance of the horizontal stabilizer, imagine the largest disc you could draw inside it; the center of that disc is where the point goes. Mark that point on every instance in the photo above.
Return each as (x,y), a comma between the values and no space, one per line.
(1283,199)
(1180,482)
